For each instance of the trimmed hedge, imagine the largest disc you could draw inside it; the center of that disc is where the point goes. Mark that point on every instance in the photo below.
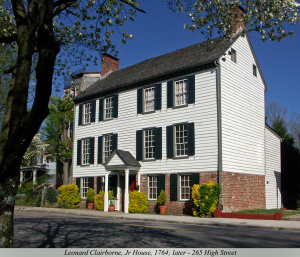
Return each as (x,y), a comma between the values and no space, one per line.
(69,196)
(137,202)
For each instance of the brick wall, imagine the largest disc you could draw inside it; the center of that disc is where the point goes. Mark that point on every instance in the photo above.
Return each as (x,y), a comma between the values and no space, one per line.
(108,64)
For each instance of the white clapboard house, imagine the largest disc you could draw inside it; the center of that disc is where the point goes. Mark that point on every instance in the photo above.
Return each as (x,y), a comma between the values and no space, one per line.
(189,116)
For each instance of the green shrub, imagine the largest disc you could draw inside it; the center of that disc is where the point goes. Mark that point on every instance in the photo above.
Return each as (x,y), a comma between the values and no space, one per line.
(99,201)
(137,202)
(298,203)
(111,194)
(69,196)
(162,198)
(90,195)
(51,195)
(206,198)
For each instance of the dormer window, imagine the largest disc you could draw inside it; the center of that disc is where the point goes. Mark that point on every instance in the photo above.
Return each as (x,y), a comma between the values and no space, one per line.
(233,55)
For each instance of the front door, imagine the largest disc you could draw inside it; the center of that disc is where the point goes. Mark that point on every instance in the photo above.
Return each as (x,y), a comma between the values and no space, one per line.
(132,182)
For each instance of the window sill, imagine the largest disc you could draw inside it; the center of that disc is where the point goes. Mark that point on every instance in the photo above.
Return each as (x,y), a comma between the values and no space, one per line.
(185,201)
(180,106)
(152,201)
(143,113)
(86,124)
(181,157)
(108,119)
(84,165)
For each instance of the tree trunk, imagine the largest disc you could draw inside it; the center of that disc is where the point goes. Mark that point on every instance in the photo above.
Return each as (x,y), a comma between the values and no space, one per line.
(59,173)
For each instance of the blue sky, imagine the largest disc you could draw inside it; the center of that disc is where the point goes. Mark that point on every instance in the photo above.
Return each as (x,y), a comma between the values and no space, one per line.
(161,31)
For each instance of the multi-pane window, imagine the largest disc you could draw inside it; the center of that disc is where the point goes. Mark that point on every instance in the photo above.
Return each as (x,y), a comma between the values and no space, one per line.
(149,99)
(149,144)
(233,55)
(254,70)
(84,186)
(87,112)
(107,146)
(181,89)
(181,140)
(85,151)
(185,187)
(152,187)
(108,107)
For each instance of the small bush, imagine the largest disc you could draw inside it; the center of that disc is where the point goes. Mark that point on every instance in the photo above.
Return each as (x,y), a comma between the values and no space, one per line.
(99,201)
(90,196)
(51,195)
(69,196)
(162,198)
(206,198)
(137,202)
(111,194)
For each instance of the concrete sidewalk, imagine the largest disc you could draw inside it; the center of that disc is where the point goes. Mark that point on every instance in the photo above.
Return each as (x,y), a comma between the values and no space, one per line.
(292,224)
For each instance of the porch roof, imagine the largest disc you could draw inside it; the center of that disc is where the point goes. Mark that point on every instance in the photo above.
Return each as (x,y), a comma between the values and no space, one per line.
(120,158)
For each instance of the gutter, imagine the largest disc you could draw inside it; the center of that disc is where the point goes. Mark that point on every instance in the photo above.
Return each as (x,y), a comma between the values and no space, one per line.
(219,120)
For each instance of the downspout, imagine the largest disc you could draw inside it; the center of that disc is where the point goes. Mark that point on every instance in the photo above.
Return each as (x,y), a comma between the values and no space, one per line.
(219,120)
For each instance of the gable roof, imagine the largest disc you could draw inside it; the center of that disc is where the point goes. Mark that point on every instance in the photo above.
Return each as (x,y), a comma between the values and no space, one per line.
(183,61)
(125,156)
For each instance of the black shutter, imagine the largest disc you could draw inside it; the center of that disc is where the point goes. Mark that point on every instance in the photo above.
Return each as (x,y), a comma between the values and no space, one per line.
(114,142)
(116,105)
(139,145)
(173,187)
(170,153)
(78,183)
(93,111)
(157,102)
(80,115)
(99,150)
(158,143)
(78,152)
(91,182)
(71,129)
(191,88)
(92,147)
(140,100)
(170,94)
(195,179)
(99,185)
(191,139)
(161,183)
(101,109)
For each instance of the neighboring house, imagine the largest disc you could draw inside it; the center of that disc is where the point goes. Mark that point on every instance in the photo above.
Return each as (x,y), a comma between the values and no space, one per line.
(175,120)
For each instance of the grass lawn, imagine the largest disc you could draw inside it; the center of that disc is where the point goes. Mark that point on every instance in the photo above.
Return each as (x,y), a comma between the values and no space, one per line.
(271,211)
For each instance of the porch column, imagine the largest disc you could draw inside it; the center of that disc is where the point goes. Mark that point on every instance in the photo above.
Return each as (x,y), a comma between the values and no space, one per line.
(106,193)
(126,199)
(34,176)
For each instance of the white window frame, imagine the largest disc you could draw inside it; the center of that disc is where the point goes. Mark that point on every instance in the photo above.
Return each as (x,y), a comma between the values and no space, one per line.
(149,144)
(108,108)
(87,113)
(107,148)
(233,55)
(85,152)
(84,187)
(181,92)
(254,70)
(149,99)
(181,140)
(187,186)
(151,193)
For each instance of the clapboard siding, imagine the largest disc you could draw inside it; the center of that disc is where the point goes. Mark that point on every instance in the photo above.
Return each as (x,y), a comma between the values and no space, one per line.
(203,113)
(273,170)
(243,113)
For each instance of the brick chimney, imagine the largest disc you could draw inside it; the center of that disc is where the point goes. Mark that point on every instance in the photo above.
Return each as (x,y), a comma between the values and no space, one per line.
(238,24)
(109,64)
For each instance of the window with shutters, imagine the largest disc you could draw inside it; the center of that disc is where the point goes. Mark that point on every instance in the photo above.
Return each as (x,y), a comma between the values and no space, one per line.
(152,187)
(87,113)
(181,92)
(108,108)
(86,151)
(84,186)
(181,140)
(149,97)
(149,144)
(185,187)
(107,146)
(233,55)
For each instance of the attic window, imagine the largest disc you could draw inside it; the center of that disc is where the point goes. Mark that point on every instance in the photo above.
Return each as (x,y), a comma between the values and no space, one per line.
(233,55)
(254,70)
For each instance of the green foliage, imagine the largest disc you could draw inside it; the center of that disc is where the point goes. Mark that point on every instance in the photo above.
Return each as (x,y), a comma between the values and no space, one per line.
(111,195)
(51,195)
(137,202)
(162,198)
(205,198)
(90,195)
(34,150)
(69,196)
(99,201)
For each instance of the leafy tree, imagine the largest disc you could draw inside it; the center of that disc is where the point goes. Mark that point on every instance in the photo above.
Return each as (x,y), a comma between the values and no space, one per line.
(55,133)
(58,33)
